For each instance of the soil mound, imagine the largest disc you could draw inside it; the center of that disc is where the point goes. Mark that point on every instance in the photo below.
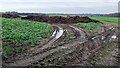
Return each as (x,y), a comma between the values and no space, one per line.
(60,19)
(4,15)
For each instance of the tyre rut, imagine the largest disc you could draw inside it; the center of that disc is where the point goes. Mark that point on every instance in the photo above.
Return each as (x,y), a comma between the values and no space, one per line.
(42,53)
(36,50)
(66,48)
(55,50)
(81,53)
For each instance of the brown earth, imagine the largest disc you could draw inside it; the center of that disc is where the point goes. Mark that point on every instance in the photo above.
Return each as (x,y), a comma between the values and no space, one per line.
(69,45)
(60,19)
(4,15)
(73,47)
(53,19)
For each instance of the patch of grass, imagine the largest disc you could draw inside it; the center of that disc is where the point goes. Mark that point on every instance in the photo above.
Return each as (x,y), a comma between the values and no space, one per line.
(18,34)
(89,26)
(106,19)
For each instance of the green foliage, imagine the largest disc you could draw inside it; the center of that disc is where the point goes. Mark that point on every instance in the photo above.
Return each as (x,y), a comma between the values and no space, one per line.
(17,34)
(89,26)
(106,19)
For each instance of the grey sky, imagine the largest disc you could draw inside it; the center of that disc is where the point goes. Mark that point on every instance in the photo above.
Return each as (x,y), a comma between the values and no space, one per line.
(60,6)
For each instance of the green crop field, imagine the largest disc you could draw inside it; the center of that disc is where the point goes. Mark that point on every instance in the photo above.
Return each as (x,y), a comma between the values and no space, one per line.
(106,19)
(18,34)
(89,26)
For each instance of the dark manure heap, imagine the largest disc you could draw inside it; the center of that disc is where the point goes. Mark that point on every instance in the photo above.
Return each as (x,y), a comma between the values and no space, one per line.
(5,15)
(60,19)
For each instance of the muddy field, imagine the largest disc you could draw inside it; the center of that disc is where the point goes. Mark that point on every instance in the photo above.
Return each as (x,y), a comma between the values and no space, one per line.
(69,45)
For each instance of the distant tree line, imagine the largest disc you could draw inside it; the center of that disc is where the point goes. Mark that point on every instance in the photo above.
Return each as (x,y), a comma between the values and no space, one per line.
(113,15)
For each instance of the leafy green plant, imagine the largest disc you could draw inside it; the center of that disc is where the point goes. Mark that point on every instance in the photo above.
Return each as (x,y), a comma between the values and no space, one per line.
(17,34)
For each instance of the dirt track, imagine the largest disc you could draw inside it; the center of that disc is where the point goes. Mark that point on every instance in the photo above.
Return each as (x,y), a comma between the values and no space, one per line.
(68,45)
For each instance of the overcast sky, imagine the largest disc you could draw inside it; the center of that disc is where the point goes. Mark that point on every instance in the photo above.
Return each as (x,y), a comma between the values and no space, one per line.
(60,6)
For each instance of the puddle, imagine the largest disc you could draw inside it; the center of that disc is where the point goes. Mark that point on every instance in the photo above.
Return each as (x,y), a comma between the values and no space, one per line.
(114,37)
(103,38)
(63,47)
(59,33)
(54,33)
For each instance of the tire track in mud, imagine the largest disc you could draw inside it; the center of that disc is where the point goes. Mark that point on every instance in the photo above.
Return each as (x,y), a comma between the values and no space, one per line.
(81,56)
(50,54)
(42,54)
(58,34)
(64,49)
(67,49)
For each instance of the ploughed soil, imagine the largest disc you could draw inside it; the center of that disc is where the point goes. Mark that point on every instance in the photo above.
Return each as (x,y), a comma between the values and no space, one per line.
(70,45)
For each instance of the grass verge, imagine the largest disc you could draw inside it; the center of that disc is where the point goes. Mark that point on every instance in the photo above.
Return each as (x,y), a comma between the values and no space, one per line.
(89,26)
(106,19)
